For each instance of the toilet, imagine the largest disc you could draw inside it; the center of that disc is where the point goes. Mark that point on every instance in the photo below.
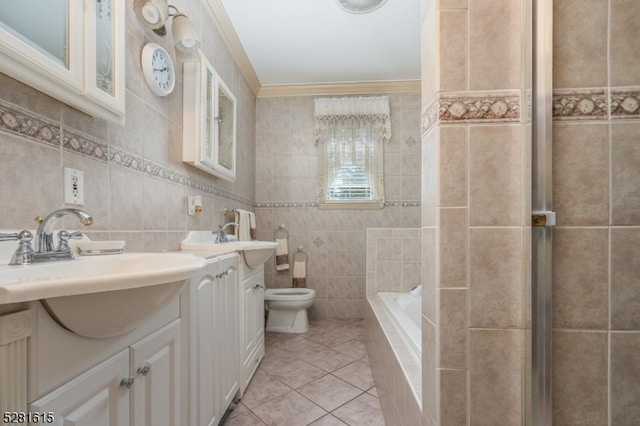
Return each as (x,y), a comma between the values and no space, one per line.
(287,309)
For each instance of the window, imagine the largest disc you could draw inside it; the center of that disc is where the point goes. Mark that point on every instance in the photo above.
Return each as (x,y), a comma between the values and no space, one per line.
(351,133)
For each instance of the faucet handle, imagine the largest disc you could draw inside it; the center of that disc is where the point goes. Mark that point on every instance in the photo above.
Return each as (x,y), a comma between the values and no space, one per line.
(64,237)
(24,253)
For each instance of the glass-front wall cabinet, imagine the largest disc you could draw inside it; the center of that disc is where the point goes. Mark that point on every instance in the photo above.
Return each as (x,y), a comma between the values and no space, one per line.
(209,121)
(72,50)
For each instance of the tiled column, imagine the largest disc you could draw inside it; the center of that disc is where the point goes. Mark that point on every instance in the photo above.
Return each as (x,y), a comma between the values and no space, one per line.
(476,191)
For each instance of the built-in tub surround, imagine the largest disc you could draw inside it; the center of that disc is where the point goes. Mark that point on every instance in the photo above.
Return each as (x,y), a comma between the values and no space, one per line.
(135,182)
(393,269)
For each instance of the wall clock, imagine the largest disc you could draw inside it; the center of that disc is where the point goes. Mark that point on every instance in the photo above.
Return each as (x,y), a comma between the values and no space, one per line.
(158,70)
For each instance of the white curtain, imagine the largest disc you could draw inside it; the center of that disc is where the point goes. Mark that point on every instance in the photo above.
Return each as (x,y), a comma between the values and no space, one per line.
(351,131)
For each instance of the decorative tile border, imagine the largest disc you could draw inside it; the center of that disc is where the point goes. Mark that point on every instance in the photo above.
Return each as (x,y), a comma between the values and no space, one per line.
(479,107)
(625,102)
(24,123)
(29,125)
(472,107)
(568,104)
(588,104)
(294,204)
(82,144)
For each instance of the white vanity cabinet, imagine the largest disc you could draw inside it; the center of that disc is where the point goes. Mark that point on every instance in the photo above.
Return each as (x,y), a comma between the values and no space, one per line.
(212,309)
(251,322)
(140,385)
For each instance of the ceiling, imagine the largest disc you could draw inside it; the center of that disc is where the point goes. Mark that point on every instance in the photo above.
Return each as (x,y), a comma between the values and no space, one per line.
(296,46)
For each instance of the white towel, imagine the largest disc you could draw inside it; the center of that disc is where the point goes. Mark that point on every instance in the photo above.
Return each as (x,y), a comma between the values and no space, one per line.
(282,254)
(243,231)
(299,274)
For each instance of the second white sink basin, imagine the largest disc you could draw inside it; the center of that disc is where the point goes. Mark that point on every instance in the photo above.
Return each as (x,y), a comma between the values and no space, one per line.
(255,253)
(101,296)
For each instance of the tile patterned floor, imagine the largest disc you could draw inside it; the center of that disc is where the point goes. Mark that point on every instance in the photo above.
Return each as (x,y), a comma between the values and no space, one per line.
(320,378)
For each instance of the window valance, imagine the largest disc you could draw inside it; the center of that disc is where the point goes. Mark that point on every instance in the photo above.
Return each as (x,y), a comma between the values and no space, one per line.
(352,114)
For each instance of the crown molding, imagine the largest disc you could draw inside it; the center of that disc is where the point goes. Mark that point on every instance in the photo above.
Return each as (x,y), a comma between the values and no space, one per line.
(348,88)
(232,41)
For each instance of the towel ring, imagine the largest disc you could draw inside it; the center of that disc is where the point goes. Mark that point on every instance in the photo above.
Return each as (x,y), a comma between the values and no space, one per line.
(280,233)
(300,255)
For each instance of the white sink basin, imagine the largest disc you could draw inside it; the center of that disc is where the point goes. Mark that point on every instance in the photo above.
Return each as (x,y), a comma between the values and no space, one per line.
(101,296)
(255,253)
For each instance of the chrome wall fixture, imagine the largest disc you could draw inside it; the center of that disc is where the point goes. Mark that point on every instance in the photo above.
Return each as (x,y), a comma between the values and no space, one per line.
(154,14)
(543,218)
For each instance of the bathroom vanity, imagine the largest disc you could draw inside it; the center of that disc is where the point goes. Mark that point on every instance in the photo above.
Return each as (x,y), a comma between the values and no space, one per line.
(69,354)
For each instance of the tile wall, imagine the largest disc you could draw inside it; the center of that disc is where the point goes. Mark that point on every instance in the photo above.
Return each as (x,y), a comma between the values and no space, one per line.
(596,269)
(135,182)
(475,201)
(334,240)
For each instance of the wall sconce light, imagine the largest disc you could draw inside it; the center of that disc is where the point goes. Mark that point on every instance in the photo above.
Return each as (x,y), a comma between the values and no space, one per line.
(155,13)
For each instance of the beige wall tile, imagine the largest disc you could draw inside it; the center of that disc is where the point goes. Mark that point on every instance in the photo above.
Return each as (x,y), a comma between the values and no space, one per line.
(429,273)
(496,277)
(453,329)
(495,175)
(452,55)
(579,378)
(625,378)
(496,377)
(154,204)
(430,176)
(430,375)
(580,278)
(495,44)
(581,173)
(625,275)
(451,4)
(453,248)
(625,173)
(625,28)
(453,397)
(453,166)
(41,194)
(125,202)
(579,56)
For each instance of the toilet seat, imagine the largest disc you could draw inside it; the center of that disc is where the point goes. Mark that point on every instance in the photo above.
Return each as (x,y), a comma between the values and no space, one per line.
(289,294)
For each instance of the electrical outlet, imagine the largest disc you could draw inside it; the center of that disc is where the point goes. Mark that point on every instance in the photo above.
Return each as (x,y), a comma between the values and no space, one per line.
(73,186)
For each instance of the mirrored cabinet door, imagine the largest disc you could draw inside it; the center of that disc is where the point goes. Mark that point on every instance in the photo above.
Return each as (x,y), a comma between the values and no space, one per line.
(104,59)
(44,36)
(209,121)
(72,50)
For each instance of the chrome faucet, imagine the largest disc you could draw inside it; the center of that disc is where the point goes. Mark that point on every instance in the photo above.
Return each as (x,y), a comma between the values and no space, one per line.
(221,235)
(44,234)
(46,252)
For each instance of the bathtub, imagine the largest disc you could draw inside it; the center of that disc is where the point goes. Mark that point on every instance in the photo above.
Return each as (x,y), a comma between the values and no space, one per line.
(393,324)
(406,311)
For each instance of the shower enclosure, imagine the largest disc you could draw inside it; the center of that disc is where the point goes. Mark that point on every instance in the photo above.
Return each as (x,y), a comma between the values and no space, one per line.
(585,350)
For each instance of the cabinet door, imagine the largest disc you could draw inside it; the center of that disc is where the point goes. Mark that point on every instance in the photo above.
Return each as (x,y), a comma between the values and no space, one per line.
(204,405)
(94,398)
(155,363)
(226,302)
(104,54)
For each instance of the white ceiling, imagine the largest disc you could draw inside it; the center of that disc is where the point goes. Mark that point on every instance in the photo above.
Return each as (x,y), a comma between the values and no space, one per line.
(310,42)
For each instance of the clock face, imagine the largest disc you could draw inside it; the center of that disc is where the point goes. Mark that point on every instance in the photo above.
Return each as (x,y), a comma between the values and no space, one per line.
(158,69)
